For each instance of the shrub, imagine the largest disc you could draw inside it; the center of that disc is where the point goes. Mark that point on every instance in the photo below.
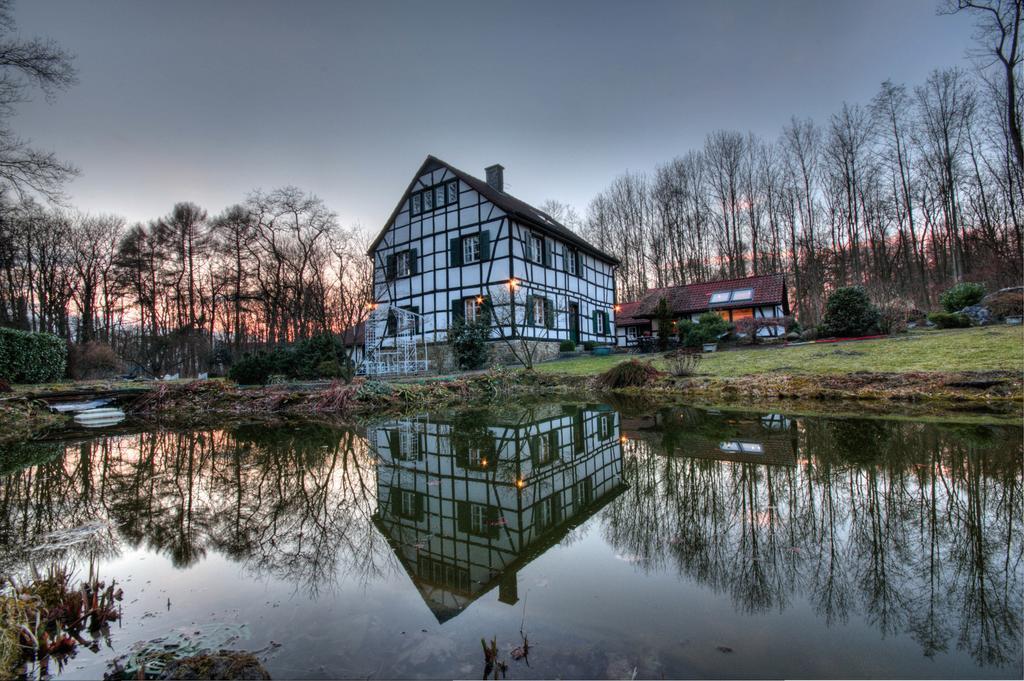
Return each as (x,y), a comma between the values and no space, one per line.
(329,368)
(567,346)
(304,359)
(92,360)
(631,374)
(962,295)
(589,346)
(468,341)
(949,320)
(254,369)
(708,329)
(31,357)
(893,316)
(849,312)
(683,363)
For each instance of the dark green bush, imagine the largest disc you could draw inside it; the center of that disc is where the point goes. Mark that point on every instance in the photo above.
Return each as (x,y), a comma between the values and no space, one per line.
(468,341)
(31,357)
(708,329)
(949,320)
(588,346)
(252,369)
(962,295)
(567,346)
(663,315)
(849,312)
(321,356)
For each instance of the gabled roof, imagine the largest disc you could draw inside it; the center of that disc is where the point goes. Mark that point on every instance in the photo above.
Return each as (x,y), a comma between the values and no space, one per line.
(515,207)
(626,316)
(769,289)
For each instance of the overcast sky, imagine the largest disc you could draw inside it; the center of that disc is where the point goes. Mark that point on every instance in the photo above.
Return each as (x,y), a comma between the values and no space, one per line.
(206,101)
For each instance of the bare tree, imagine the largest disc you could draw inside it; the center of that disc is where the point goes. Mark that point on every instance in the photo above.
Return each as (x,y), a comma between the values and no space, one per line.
(27,64)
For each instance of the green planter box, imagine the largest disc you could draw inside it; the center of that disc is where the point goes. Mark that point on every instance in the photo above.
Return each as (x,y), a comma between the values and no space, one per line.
(603,350)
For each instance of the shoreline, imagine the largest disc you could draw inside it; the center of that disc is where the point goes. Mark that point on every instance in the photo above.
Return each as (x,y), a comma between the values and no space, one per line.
(994,395)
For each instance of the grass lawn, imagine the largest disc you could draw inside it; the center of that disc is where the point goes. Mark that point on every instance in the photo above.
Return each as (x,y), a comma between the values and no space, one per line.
(977,349)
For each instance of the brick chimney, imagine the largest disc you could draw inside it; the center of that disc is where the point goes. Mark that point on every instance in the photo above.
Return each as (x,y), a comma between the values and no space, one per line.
(496,176)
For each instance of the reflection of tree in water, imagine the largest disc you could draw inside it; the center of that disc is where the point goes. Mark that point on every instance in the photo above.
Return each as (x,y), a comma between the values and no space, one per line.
(292,503)
(911,526)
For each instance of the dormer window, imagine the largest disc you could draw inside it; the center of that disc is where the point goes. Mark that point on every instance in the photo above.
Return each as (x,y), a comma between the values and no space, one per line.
(735,447)
(735,296)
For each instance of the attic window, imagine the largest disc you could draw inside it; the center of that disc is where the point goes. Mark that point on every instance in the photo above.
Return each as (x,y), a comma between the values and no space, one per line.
(720,297)
(741,447)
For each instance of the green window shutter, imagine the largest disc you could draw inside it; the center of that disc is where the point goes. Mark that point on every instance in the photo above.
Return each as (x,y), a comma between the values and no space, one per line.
(414,261)
(419,507)
(545,252)
(579,434)
(556,508)
(529,311)
(458,310)
(462,516)
(396,501)
(493,528)
(607,324)
(456,252)
(553,442)
(389,267)
(416,309)
(593,319)
(394,444)
(485,245)
(487,311)
(549,314)
(579,263)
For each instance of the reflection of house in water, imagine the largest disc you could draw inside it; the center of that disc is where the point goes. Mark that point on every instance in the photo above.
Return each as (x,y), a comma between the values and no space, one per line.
(466,504)
(769,439)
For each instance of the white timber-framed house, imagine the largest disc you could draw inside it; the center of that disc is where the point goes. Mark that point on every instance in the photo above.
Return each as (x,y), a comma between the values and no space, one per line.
(457,246)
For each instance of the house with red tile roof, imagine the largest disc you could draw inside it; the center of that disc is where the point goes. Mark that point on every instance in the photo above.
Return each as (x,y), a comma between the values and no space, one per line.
(764,296)
(628,327)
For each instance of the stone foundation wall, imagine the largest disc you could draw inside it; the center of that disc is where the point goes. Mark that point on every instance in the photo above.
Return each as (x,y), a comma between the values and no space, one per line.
(498,354)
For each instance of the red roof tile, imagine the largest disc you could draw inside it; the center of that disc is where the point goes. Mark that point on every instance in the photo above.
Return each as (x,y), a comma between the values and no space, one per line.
(625,315)
(769,289)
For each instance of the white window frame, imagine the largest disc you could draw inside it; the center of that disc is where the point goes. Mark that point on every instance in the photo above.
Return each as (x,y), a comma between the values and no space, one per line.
(477,518)
(474,457)
(428,197)
(403,264)
(470,249)
(470,309)
(536,249)
(539,306)
(631,332)
(408,502)
(416,204)
(570,265)
(452,192)
(543,455)
(604,427)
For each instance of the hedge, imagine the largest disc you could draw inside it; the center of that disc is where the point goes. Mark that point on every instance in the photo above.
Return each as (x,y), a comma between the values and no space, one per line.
(31,357)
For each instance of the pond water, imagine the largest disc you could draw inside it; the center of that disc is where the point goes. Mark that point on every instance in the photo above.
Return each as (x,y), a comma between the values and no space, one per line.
(670,542)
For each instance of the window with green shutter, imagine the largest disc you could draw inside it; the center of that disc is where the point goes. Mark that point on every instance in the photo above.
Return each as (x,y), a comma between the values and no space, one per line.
(455,252)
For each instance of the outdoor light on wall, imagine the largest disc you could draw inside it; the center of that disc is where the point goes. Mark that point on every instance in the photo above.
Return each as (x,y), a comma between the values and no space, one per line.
(520,483)
(483,463)
(512,283)
(479,300)
(623,439)
(616,307)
